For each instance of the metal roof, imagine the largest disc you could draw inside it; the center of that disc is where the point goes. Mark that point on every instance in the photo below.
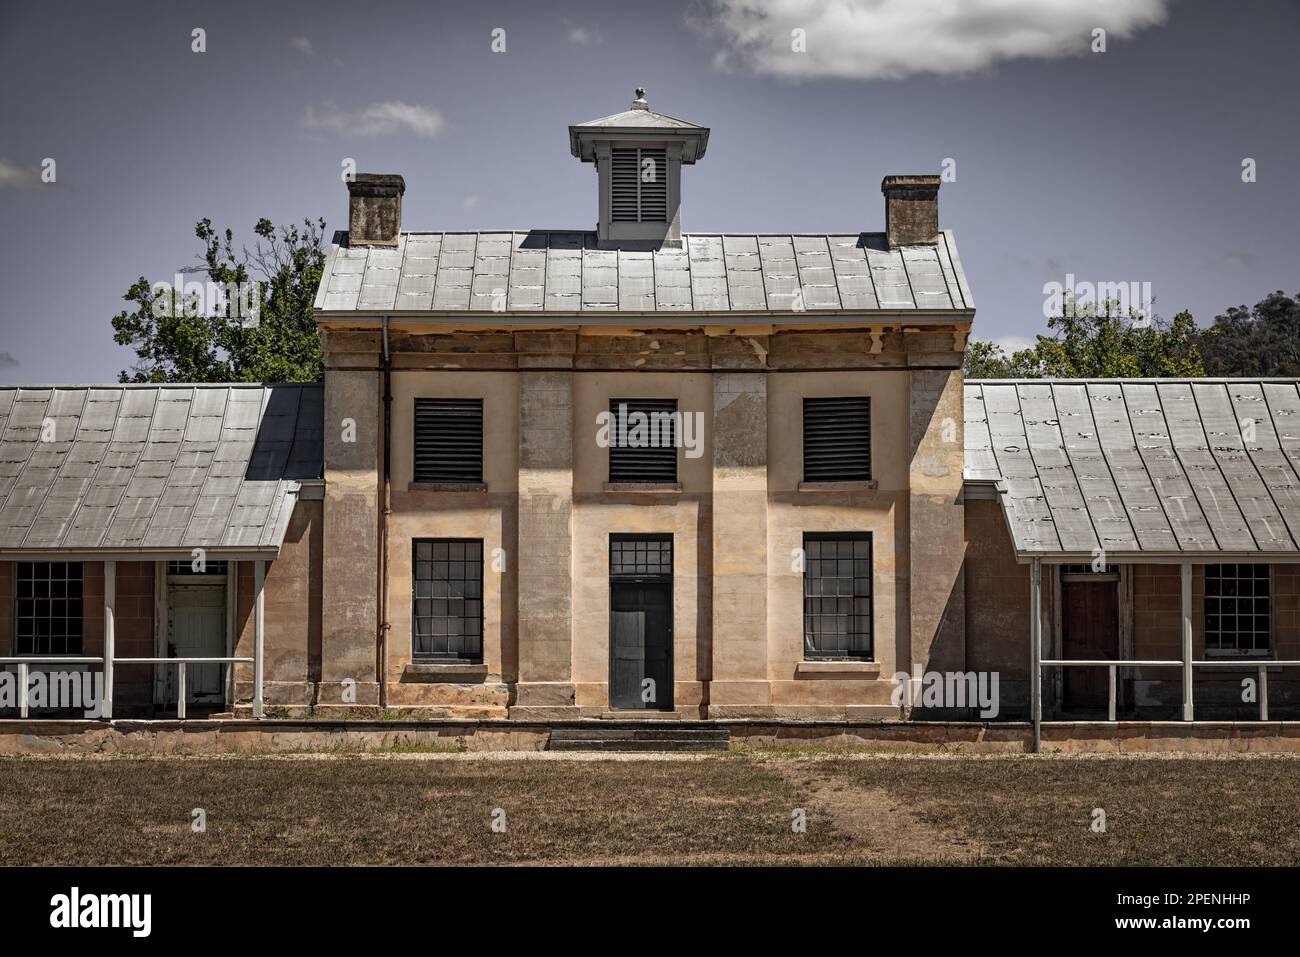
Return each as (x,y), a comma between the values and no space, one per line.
(1177,466)
(639,120)
(154,467)
(539,272)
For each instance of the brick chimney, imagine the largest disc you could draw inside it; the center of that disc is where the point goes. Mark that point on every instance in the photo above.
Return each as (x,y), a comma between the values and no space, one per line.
(375,209)
(911,210)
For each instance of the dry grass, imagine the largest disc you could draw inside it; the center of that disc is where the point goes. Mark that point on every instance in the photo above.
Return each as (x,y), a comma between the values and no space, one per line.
(1194,811)
(730,809)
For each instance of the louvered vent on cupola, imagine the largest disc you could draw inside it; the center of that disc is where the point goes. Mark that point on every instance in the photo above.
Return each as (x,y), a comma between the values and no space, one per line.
(639,156)
(638,185)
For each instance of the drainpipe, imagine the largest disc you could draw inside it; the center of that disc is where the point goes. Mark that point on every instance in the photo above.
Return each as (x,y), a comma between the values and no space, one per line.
(385,510)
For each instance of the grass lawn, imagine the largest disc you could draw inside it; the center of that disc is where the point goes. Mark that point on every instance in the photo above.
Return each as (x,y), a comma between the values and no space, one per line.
(725,809)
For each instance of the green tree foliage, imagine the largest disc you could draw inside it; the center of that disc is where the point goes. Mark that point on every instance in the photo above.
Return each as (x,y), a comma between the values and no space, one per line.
(1084,342)
(261,329)
(1261,341)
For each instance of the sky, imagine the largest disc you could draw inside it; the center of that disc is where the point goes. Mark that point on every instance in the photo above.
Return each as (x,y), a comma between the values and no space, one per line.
(1117,166)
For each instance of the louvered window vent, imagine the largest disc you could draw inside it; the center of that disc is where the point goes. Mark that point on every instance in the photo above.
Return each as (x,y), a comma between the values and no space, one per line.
(837,439)
(639,185)
(449,441)
(643,440)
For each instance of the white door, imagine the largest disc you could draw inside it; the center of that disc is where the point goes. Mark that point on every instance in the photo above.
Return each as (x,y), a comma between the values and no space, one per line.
(196,628)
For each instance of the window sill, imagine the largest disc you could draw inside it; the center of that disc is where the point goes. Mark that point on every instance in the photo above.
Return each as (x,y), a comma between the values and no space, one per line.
(869,485)
(447,487)
(647,487)
(834,669)
(449,669)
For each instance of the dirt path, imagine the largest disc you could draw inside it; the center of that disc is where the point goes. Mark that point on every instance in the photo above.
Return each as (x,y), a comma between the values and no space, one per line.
(883,830)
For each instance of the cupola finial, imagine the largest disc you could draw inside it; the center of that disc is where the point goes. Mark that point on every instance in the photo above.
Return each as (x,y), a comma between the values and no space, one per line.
(640,102)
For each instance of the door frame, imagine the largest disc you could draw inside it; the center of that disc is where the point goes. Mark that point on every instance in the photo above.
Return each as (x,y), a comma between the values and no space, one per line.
(164,676)
(1119,577)
(656,579)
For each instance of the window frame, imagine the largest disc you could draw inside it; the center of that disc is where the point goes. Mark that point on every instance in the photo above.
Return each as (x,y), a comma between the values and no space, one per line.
(673,448)
(448,657)
(444,482)
(865,476)
(16,637)
(1237,651)
(640,154)
(809,635)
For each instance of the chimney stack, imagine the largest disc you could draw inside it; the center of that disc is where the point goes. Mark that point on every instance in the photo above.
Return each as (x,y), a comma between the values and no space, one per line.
(375,209)
(911,210)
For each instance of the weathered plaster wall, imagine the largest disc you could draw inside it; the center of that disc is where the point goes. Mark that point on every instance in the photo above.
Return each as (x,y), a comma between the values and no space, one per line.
(879,507)
(293,608)
(350,529)
(739,514)
(488,515)
(996,599)
(597,513)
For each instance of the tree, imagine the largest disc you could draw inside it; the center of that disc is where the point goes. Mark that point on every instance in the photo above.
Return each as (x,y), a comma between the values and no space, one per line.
(250,319)
(1261,341)
(1085,343)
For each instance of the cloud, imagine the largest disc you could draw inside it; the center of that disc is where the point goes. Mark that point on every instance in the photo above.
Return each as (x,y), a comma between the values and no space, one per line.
(470,200)
(892,39)
(7,361)
(302,45)
(13,176)
(377,119)
(585,36)
(1010,344)
(1237,258)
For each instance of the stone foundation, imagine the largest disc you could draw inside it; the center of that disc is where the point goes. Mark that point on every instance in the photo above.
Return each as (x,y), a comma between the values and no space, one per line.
(222,736)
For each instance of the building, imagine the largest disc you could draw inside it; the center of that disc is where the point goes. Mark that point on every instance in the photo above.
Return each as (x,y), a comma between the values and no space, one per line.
(642,471)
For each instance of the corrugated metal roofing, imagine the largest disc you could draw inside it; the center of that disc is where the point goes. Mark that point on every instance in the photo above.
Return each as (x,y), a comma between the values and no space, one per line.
(1140,465)
(563,272)
(125,468)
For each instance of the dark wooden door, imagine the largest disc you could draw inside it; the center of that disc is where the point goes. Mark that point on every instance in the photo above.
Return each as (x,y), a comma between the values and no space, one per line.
(1090,630)
(641,645)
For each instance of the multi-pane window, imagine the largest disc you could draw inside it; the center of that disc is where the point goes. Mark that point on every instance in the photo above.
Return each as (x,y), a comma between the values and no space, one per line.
(643,440)
(47,619)
(837,439)
(447,599)
(837,595)
(186,567)
(449,441)
(1238,614)
(641,556)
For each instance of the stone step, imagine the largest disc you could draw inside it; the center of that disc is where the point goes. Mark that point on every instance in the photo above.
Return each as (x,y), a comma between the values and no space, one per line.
(639,739)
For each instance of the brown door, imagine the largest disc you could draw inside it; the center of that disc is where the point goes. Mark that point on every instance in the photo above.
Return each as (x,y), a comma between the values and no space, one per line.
(1090,630)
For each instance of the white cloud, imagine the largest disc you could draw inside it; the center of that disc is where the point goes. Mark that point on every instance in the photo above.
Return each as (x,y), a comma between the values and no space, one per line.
(13,176)
(891,39)
(1010,344)
(1237,257)
(470,200)
(377,119)
(585,36)
(302,45)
